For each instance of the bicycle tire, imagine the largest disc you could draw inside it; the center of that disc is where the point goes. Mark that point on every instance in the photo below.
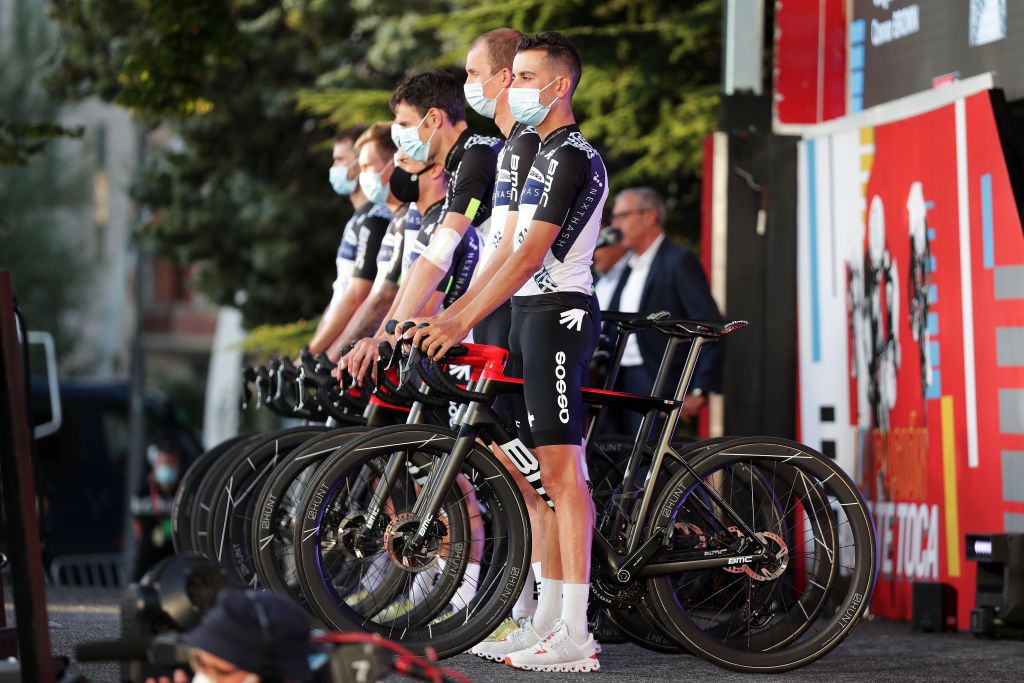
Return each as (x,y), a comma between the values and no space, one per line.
(232,504)
(184,496)
(277,501)
(202,504)
(735,641)
(503,565)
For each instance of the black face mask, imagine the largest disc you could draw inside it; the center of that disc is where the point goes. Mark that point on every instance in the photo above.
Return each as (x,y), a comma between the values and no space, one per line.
(406,186)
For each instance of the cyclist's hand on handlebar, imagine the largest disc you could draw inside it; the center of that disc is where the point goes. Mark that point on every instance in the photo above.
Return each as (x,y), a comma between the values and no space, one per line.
(438,336)
(407,328)
(360,359)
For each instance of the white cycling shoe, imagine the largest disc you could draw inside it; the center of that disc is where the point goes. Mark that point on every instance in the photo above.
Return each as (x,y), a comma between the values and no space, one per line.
(557,652)
(497,650)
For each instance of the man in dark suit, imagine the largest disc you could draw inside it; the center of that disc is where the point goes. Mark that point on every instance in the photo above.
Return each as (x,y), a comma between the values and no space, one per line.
(659,276)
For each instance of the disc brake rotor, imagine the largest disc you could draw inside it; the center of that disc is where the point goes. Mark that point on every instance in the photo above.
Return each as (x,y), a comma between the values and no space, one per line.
(775,563)
(401,530)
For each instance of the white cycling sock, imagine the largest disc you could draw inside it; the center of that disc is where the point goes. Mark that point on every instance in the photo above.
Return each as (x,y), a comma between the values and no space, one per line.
(549,604)
(526,603)
(467,589)
(574,610)
(424,582)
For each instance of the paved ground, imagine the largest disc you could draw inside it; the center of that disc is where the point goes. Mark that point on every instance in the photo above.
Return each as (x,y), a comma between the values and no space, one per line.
(876,651)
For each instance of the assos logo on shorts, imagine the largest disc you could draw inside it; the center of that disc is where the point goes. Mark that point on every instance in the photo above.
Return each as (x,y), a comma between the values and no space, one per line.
(563,401)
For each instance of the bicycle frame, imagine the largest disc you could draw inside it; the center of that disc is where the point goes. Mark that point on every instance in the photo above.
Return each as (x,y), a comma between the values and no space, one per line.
(479,421)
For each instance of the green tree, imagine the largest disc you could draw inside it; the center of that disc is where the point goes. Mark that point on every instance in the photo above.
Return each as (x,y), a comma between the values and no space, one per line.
(649,93)
(37,182)
(254,88)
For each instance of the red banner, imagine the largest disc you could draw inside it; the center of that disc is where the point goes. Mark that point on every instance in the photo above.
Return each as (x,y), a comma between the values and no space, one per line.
(912,335)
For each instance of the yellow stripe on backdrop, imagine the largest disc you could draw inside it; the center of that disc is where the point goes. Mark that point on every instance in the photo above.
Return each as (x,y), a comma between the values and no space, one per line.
(949,484)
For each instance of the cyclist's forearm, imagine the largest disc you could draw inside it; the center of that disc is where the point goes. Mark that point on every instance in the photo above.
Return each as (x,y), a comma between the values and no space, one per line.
(333,322)
(483,276)
(368,318)
(512,275)
(421,283)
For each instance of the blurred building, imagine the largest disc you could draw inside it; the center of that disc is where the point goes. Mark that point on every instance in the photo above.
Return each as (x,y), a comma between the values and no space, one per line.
(177,324)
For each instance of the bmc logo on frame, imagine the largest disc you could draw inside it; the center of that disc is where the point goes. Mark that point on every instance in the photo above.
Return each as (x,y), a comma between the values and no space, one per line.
(563,401)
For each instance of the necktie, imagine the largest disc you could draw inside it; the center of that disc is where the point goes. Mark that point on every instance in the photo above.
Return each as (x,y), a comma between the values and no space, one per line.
(616,300)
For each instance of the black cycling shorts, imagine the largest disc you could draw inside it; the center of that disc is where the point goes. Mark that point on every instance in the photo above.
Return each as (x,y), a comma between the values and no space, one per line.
(493,330)
(552,340)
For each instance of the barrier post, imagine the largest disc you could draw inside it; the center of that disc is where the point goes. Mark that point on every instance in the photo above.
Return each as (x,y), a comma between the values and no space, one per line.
(19,501)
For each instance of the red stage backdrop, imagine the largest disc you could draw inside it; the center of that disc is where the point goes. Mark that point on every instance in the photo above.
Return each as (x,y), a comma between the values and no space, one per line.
(911,309)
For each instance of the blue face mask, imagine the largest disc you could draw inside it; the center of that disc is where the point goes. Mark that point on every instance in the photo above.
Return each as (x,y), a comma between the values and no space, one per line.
(409,140)
(340,181)
(165,475)
(372,185)
(477,101)
(526,107)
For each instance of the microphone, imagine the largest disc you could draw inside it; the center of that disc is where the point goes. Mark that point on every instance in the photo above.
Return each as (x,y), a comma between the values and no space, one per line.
(164,650)
(609,237)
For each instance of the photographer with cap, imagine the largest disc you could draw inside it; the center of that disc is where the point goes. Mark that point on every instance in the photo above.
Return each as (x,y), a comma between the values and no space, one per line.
(248,637)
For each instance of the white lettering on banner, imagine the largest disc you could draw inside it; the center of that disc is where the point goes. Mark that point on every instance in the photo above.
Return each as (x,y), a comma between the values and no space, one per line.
(903,22)
(908,539)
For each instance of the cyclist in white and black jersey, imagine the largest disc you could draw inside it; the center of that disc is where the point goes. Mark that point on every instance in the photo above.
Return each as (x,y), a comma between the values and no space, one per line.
(375,158)
(357,250)
(418,184)
(554,335)
(430,125)
(464,261)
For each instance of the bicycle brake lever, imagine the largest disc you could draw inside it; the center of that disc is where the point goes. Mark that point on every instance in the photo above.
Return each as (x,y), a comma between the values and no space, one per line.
(260,380)
(300,384)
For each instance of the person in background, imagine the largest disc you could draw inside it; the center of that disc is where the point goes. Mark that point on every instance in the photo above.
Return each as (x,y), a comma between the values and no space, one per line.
(356,259)
(248,637)
(659,276)
(151,505)
(609,262)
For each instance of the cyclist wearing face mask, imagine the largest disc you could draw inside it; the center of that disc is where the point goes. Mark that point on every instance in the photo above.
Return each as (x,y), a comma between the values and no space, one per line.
(488,77)
(421,185)
(357,252)
(464,261)
(553,338)
(430,126)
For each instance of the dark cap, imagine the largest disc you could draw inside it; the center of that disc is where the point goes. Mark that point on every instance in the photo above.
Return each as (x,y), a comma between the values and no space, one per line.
(258,632)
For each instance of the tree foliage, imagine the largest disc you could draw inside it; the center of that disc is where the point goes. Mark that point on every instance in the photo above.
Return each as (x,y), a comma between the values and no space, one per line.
(37,181)
(254,88)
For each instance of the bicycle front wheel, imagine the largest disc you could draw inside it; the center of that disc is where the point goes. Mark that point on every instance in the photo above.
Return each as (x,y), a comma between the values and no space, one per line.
(360,508)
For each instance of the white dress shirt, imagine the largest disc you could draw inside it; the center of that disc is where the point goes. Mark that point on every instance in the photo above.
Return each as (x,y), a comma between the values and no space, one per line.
(634,289)
(605,286)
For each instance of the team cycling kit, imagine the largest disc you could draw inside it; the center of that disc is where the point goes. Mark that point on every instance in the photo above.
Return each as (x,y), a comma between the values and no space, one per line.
(514,162)
(555,322)
(360,244)
(464,261)
(471,166)
(389,258)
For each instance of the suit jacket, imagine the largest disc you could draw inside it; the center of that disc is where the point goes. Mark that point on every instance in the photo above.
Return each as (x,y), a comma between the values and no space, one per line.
(676,283)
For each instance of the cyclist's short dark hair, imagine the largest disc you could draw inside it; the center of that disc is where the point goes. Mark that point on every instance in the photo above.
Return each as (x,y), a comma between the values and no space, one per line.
(349,133)
(380,135)
(425,90)
(501,46)
(558,49)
